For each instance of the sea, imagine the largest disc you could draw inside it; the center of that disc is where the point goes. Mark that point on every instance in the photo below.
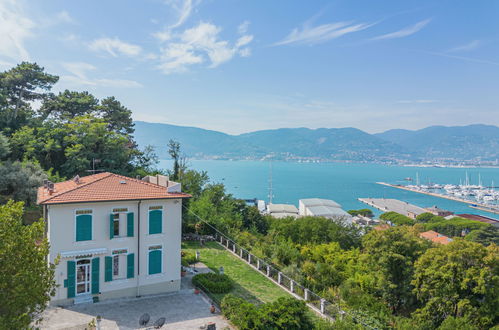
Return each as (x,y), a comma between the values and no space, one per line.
(341,182)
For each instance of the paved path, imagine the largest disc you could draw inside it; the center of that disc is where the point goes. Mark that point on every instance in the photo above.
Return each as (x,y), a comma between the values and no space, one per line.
(182,310)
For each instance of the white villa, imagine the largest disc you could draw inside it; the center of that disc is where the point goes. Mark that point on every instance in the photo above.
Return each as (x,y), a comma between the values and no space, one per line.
(114,236)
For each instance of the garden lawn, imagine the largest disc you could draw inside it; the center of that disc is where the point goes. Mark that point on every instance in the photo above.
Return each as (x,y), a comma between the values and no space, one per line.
(248,283)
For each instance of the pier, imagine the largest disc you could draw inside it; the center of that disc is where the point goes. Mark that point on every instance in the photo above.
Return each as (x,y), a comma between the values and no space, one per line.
(473,204)
(394,205)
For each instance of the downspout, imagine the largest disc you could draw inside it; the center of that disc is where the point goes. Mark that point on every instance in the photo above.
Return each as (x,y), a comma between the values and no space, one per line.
(138,248)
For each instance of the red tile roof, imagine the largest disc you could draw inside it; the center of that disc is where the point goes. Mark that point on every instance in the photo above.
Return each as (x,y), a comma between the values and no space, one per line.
(104,187)
(435,237)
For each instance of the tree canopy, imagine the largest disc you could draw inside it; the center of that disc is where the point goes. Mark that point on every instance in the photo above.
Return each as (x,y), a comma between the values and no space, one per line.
(26,279)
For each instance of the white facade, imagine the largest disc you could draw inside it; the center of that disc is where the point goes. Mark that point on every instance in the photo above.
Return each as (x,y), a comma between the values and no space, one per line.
(61,220)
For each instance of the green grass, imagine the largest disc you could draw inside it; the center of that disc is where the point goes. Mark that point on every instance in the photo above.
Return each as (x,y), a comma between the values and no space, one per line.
(248,283)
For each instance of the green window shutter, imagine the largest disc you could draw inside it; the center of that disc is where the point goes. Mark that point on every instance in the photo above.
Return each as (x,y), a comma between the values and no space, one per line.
(83,227)
(155,221)
(111,226)
(130,270)
(129,224)
(71,279)
(108,269)
(154,262)
(95,275)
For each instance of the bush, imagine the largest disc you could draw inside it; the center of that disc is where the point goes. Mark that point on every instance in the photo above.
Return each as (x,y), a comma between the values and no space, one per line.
(397,219)
(284,313)
(364,212)
(214,283)
(455,226)
(188,258)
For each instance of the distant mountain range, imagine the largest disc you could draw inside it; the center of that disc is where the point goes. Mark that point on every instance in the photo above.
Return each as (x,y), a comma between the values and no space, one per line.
(435,143)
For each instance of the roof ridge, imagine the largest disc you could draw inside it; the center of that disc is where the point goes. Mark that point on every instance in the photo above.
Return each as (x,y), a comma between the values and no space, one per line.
(80,186)
(140,181)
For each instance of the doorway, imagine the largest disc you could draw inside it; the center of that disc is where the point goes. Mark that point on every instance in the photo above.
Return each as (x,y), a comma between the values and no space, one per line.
(83,277)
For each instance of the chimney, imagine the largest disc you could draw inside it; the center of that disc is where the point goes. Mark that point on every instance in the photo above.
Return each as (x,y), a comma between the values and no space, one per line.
(51,187)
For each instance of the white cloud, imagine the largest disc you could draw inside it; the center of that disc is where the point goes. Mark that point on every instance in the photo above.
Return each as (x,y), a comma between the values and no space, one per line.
(184,9)
(63,16)
(467,47)
(115,47)
(245,52)
(199,44)
(243,27)
(316,34)
(404,32)
(79,77)
(15,28)
(244,40)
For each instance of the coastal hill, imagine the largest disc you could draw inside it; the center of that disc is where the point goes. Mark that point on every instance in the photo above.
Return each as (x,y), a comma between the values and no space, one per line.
(458,142)
(436,142)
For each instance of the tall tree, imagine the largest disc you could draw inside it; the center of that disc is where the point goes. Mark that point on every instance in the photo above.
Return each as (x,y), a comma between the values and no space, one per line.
(392,254)
(460,279)
(174,151)
(69,104)
(117,116)
(25,83)
(26,279)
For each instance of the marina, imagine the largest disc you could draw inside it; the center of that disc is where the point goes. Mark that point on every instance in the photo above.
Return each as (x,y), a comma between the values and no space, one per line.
(425,190)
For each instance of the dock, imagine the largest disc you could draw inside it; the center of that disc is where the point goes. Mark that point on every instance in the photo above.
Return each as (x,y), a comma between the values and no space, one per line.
(473,204)
(394,205)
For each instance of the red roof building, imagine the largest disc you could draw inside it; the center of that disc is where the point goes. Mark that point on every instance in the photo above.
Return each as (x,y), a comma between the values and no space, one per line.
(104,187)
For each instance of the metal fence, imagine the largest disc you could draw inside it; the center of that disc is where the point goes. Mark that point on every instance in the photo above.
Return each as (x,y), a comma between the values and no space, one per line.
(314,301)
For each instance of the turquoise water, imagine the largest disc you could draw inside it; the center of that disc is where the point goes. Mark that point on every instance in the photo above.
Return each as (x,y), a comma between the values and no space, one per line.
(342,182)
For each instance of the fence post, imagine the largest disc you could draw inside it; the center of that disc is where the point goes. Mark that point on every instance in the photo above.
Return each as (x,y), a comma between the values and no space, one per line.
(221,239)
(249,258)
(228,242)
(307,294)
(323,305)
(258,264)
(234,247)
(241,252)
(292,286)
(268,270)
(279,278)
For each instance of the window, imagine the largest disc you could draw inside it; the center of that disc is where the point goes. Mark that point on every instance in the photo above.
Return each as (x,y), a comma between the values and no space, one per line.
(155,259)
(120,223)
(116,224)
(116,265)
(83,225)
(155,220)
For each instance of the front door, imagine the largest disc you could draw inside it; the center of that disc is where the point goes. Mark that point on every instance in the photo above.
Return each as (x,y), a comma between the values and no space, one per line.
(83,277)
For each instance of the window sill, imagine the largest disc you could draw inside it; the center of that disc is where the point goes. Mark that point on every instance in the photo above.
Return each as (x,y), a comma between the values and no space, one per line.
(157,235)
(120,238)
(152,276)
(82,243)
(120,281)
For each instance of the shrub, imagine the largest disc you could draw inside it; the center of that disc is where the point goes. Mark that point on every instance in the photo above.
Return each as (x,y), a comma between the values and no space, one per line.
(188,258)
(214,283)
(455,226)
(397,219)
(284,313)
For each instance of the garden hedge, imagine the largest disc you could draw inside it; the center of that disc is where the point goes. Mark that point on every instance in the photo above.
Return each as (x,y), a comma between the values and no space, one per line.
(214,283)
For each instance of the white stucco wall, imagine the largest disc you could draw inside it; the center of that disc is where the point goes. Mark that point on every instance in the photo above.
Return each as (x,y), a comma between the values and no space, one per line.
(62,236)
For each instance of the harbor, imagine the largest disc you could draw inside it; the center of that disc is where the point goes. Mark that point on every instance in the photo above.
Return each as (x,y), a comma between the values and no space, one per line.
(471,203)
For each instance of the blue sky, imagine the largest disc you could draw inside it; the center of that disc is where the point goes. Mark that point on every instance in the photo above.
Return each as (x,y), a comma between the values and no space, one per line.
(238,66)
